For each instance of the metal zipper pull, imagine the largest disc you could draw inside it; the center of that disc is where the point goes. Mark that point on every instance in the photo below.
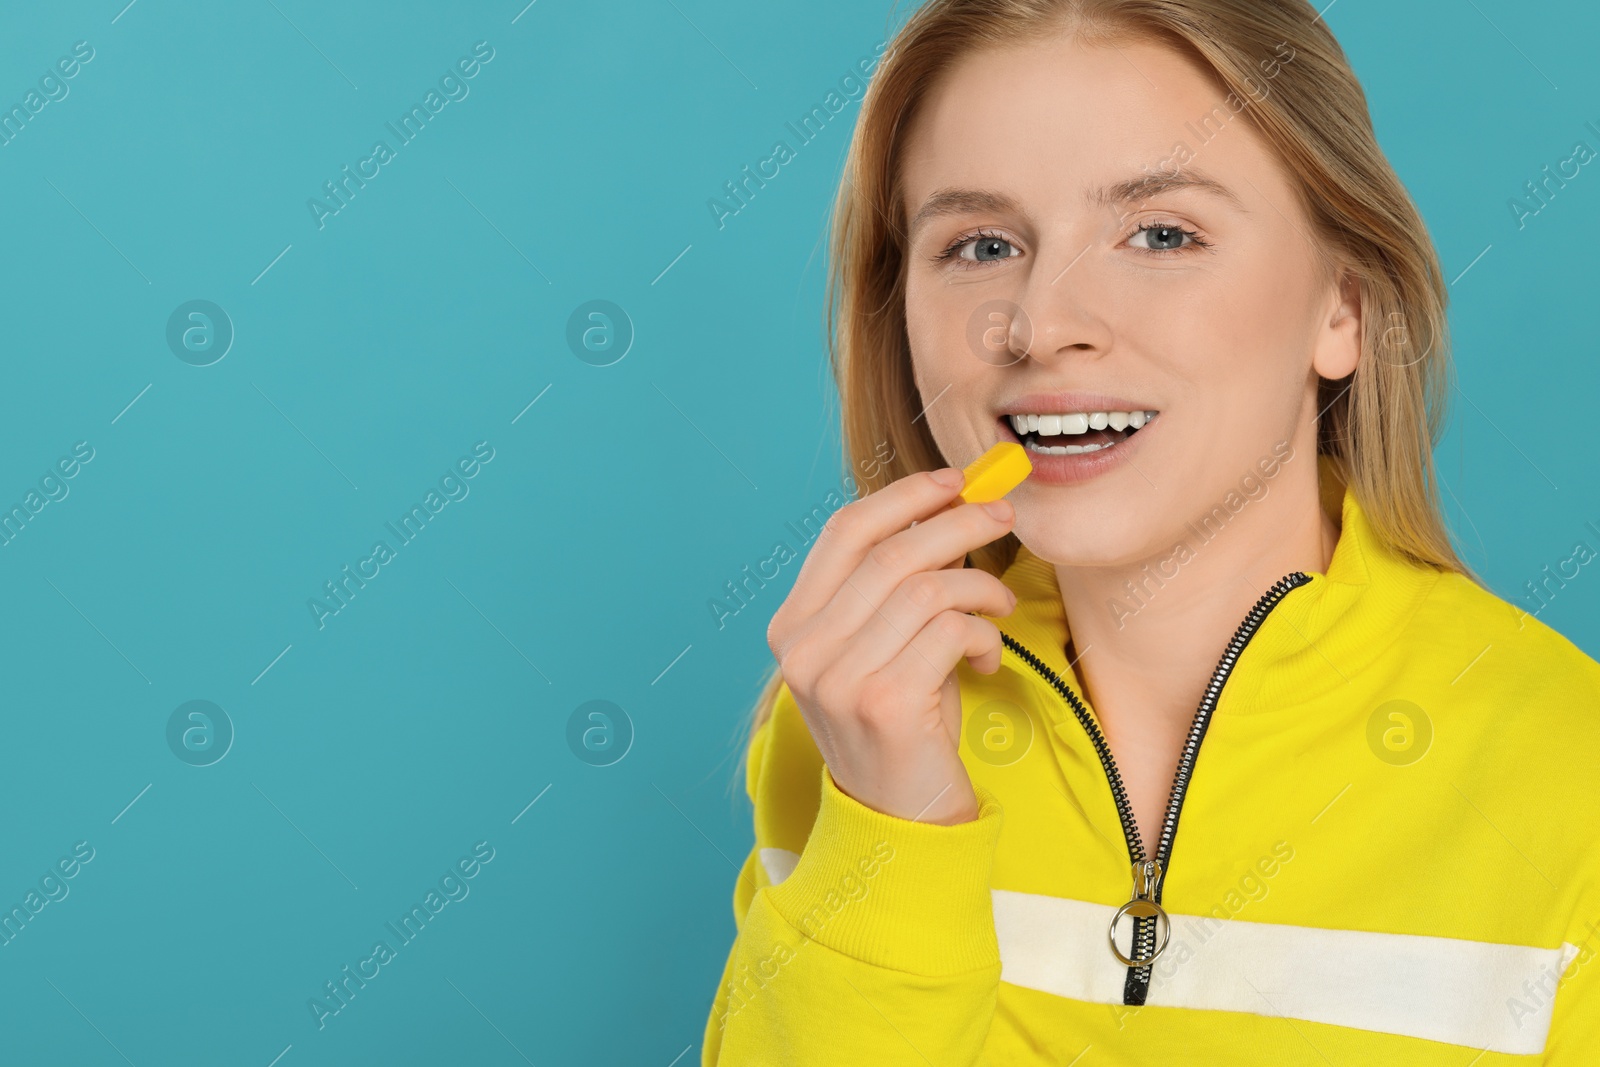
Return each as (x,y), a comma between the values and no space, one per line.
(1146,876)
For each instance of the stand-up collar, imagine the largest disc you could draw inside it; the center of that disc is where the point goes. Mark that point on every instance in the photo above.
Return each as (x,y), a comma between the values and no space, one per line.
(1316,638)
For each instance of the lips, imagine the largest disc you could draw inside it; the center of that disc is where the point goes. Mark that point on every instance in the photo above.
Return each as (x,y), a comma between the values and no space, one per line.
(1073,401)
(1062,459)
(1076,441)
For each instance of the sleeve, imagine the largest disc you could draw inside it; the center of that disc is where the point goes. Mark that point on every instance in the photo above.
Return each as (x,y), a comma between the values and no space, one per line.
(878,946)
(1574,1036)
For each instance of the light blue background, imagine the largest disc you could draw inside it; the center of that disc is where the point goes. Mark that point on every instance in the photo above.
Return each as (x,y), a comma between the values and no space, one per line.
(425,317)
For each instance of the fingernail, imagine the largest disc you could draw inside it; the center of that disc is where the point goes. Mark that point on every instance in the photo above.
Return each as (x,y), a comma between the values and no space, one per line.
(949,476)
(1000,509)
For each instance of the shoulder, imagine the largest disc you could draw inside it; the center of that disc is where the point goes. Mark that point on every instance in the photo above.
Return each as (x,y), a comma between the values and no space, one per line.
(1513,697)
(1514,707)
(1503,647)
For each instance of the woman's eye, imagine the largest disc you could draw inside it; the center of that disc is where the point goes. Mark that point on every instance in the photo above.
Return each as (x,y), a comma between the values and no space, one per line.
(984,248)
(987,248)
(1164,237)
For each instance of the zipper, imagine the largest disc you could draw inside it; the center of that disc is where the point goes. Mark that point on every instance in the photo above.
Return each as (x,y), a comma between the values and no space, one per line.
(1144,906)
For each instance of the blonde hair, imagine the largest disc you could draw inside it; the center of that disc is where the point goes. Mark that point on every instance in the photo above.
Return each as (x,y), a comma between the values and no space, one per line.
(1378,426)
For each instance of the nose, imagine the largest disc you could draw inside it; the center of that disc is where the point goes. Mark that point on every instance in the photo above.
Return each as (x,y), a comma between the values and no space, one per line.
(1063,307)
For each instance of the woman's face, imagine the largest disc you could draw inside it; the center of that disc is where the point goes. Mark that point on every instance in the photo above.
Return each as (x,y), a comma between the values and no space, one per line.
(1011,174)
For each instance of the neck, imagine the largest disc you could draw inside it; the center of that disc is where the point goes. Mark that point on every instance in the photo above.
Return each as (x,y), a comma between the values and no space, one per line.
(1146,635)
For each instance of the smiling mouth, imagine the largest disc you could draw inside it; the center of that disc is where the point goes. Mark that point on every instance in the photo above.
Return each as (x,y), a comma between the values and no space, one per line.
(1075,433)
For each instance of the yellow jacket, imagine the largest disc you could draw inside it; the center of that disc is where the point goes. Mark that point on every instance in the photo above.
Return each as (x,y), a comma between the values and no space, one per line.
(1385,852)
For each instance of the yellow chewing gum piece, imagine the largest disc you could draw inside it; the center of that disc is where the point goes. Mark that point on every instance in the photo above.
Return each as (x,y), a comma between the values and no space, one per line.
(996,472)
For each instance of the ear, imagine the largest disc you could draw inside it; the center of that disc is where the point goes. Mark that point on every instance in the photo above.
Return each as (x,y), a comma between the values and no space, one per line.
(1338,347)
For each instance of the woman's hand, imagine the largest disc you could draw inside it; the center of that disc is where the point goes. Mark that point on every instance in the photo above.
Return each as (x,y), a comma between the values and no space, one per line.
(869,638)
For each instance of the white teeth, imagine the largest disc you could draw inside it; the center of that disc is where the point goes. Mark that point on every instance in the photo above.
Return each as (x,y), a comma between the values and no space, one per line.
(1063,450)
(1079,422)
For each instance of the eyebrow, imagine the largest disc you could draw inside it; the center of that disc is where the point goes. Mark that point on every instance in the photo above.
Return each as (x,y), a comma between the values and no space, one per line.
(1154,183)
(1143,187)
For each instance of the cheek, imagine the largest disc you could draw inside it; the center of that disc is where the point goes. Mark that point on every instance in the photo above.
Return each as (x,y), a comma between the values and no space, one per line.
(1215,330)
(951,381)
(936,326)
(1262,303)
(1180,330)
(958,333)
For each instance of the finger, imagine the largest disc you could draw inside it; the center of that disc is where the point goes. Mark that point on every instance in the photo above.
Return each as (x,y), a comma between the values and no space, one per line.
(923,665)
(852,531)
(925,547)
(915,603)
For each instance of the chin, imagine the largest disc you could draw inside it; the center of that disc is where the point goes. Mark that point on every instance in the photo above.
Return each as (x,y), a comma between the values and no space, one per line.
(1057,536)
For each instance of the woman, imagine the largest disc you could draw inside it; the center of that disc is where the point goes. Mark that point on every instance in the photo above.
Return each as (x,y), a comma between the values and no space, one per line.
(1204,746)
